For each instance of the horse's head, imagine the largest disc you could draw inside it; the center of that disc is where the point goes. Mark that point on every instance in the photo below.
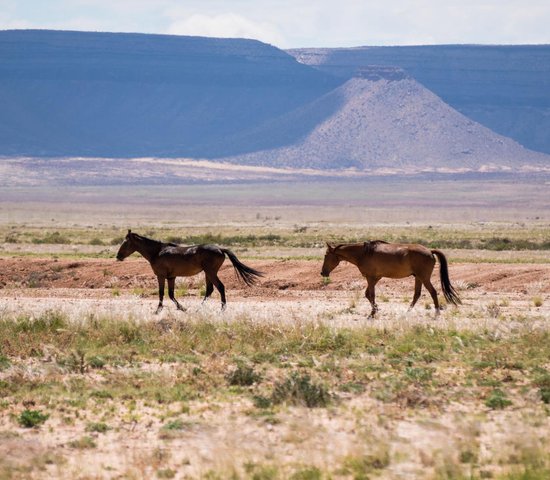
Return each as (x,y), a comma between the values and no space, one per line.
(331,260)
(128,247)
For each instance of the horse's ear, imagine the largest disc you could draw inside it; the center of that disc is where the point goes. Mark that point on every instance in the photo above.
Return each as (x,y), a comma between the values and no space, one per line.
(330,247)
(129,231)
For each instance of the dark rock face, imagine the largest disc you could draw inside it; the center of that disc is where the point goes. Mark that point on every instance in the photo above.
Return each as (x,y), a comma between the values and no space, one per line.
(505,88)
(105,94)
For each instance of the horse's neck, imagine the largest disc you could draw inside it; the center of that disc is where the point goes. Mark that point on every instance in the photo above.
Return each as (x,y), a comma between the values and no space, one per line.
(148,248)
(351,253)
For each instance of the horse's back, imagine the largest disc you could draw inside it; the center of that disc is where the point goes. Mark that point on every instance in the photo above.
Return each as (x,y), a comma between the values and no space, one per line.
(179,260)
(398,260)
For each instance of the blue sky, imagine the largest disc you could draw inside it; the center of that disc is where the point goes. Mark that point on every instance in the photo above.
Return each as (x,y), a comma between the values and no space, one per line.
(298,23)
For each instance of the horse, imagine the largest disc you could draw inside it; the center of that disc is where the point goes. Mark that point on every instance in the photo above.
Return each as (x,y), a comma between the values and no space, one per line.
(377,259)
(170,260)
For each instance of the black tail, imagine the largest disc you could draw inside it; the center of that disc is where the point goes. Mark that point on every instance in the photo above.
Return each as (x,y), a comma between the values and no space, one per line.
(248,274)
(448,291)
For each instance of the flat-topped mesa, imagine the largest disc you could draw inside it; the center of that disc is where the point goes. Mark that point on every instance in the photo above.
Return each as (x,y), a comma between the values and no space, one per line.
(381,72)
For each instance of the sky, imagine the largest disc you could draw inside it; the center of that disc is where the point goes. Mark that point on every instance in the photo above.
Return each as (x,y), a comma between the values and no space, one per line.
(298,23)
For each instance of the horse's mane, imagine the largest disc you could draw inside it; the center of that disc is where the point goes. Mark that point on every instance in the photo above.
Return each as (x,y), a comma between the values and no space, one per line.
(371,245)
(152,240)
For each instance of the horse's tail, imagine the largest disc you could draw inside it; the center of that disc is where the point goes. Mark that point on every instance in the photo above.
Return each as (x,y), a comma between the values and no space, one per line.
(448,291)
(248,274)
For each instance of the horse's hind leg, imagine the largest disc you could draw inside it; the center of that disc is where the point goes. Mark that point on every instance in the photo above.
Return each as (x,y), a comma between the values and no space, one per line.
(428,284)
(209,289)
(221,288)
(417,291)
(161,281)
(371,295)
(213,277)
(171,287)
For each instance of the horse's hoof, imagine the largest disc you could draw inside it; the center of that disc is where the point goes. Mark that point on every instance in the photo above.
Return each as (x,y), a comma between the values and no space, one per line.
(158,310)
(224,306)
(181,309)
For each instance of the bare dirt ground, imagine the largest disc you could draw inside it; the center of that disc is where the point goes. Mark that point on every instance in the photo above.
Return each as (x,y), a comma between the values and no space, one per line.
(280,276)
(220,435)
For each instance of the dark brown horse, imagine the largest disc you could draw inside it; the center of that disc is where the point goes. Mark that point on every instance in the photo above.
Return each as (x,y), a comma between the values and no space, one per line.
(169,261)
(379,259)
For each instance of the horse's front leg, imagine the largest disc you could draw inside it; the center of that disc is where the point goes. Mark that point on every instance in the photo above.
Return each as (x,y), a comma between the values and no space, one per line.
(171,288)
(371,295)
(161,281)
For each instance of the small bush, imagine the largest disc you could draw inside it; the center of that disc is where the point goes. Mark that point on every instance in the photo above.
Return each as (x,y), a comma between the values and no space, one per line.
(96,241)
(537,302)
(243,375)
(359,466)
(4,362)
(103,394)
(308,473)
(177,424)
(261,402)
(98,427)
(497,400)
(467,456)
(96,362)
(298,389)
(32,418)
(261,472)
(166,473)
(418,374)
(83,443)
(543,382)
(173,429)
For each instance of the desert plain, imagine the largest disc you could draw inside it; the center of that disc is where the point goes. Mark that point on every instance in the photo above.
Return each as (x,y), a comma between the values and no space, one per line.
(292,380)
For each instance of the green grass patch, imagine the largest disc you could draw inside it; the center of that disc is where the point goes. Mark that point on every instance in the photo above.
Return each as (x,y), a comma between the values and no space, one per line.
(31,418)
(497,400)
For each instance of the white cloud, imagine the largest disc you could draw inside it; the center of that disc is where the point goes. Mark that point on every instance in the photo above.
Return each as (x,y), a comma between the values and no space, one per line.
(225,25)
(299,23)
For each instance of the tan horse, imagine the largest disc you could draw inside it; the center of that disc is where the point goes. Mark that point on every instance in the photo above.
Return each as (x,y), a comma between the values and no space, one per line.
(378,259)
(169,261)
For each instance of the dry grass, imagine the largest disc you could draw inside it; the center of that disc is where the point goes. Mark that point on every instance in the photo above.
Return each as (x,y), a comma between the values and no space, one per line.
(410,396)
(205,394)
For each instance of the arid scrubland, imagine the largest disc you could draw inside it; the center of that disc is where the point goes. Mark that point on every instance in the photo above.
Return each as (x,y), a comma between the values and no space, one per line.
(292,380)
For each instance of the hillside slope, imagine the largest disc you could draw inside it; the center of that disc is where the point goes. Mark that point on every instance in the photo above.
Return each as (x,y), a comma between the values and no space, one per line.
(104,94)
(383,119)
(505,88)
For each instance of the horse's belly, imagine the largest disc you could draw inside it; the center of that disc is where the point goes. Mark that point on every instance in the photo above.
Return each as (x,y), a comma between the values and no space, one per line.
(175,266)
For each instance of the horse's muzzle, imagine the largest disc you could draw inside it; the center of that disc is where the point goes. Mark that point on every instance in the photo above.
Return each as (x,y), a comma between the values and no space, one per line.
(120,258)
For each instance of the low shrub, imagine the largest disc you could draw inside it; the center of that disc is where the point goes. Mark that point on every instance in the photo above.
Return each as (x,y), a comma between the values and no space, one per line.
(299,389)
(32,418)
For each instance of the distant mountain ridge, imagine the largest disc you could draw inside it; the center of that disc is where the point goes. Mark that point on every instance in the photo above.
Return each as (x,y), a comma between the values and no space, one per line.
(504,87)
(382,118)
(105,95)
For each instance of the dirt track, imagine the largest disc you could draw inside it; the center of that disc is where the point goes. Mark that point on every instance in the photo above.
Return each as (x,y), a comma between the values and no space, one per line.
(280,275)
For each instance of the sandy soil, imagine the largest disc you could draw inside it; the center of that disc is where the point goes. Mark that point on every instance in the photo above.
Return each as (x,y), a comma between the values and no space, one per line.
(218,433)
(279,276)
